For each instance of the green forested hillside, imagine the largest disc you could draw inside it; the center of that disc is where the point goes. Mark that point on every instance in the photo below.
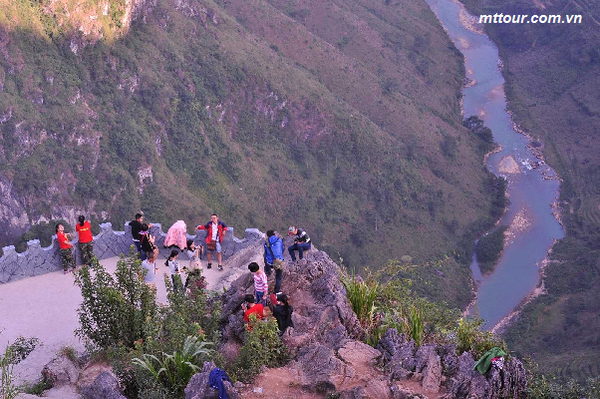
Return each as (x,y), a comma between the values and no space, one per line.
(341,116)
(553,76)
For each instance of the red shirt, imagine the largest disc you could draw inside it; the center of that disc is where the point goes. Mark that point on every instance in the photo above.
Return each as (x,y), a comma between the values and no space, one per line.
(85,232)
(256,309)
(63,241)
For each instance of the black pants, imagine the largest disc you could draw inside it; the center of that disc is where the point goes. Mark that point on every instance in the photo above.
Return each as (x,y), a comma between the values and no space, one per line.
(278,276)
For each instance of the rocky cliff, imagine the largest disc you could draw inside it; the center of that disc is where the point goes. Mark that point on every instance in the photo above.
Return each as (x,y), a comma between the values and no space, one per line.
(329,357)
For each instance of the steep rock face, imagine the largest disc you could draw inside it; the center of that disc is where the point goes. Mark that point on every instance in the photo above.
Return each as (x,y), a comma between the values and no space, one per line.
(437,363)
(327,355)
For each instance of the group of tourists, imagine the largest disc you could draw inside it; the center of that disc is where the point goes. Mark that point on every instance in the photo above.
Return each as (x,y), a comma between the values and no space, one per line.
(261,303)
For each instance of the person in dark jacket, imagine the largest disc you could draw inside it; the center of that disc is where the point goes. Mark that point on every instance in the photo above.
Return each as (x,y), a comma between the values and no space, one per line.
(301,242)
(282,312)
(274,257)
(136,229)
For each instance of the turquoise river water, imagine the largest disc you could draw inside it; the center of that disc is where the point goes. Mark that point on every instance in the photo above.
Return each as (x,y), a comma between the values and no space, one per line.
(532,185)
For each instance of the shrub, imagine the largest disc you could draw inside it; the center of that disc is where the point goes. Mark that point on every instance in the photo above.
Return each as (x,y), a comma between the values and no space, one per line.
(262,347)
(174,371)
(13,354)
(114,311)
(362,296)
(542,386)
(470,338)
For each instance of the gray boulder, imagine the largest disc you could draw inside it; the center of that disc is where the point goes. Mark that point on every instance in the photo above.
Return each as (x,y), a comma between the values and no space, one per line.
(60,372)
(105,386)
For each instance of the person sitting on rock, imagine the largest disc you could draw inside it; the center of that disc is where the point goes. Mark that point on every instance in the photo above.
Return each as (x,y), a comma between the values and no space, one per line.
(86,239)
(301,242)
(250,307)
(274,257)
(65,248)
(282,312)
(261,286)
(214,237)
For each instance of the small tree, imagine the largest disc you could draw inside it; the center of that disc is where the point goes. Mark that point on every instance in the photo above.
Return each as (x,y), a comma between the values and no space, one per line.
(114,311)
(262,347)
(13,354)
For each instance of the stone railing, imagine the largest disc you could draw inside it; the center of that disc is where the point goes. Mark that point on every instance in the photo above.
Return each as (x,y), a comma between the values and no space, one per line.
(37,260)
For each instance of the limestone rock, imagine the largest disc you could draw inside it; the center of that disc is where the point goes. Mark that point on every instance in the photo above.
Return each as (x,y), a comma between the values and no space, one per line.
(432,376)
(64,392)
(401,392)
(354,393)
(398,354)
(356,353)
(60,371)
(105,386)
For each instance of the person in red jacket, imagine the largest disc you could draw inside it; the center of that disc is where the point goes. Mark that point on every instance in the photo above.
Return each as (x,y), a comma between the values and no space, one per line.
(65,248)
(250,307)
(86,239)
(214,237)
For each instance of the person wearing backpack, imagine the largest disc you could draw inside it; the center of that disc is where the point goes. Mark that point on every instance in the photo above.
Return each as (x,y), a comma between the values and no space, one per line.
(274,258)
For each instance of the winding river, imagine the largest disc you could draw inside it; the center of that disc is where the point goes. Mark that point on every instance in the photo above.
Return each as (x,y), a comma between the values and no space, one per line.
(532,185)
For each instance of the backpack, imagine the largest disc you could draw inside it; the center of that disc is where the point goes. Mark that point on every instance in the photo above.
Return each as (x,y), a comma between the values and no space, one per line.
(277,263)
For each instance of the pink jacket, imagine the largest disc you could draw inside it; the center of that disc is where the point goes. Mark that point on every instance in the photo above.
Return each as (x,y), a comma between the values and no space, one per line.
(176,235)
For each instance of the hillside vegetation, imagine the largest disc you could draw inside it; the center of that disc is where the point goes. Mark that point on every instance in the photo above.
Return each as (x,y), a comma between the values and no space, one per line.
(553,75)
(341,116)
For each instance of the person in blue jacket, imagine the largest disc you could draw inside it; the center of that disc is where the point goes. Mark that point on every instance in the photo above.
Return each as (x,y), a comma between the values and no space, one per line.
(274,258)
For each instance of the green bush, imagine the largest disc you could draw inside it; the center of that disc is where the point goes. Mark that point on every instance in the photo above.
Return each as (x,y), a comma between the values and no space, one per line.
(13,354)
(115,310)
(262,347)
(361,295)
(541,386)
(470,338)
(174,371)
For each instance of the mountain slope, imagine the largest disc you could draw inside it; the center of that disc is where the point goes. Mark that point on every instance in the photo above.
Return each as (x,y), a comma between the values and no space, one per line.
(341,116)
(552,77)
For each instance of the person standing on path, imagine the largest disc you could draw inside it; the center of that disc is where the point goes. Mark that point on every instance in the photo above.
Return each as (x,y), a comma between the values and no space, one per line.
(65,247)
(215,234)
(86,239)
(274,257)
(175,270)
(147,242)
(149,265)
(301,242)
